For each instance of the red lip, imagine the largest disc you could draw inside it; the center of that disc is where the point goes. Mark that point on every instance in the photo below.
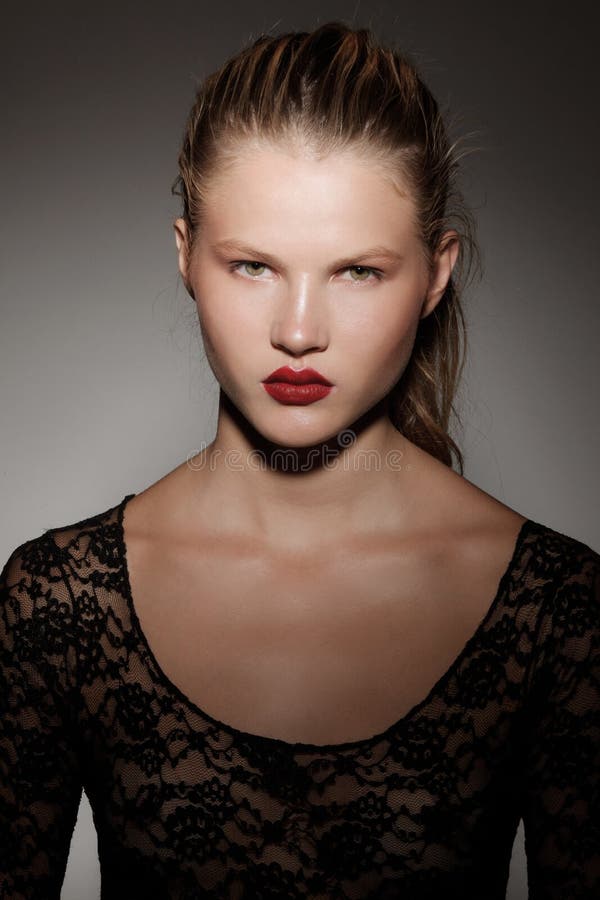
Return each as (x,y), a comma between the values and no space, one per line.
(295,376)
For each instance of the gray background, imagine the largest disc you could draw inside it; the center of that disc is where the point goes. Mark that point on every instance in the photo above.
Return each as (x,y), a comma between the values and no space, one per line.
(103,385)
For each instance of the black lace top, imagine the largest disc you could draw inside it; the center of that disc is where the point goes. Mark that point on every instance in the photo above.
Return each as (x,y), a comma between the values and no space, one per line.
(186,806)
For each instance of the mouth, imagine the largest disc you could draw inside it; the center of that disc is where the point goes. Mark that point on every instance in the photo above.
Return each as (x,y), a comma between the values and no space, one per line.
(297,388)
(287,375)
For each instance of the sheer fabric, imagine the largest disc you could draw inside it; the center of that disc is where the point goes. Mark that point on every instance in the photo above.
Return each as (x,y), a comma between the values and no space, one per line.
(186,806)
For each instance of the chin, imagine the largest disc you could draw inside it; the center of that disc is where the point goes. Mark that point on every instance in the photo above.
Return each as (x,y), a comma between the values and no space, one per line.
(300,430)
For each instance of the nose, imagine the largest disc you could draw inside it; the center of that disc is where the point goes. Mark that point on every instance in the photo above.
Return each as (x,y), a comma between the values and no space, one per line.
(299,322)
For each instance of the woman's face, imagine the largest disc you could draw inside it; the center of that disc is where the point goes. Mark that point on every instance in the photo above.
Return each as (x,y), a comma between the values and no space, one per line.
(306,263)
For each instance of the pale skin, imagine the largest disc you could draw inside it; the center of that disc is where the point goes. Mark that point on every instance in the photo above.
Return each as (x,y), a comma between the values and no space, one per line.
(299,601)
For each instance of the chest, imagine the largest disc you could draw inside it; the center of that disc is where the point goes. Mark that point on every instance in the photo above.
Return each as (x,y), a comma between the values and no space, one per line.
(320,650)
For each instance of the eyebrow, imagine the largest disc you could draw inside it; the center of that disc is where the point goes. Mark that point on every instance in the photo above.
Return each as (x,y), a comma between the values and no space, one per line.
(233,246)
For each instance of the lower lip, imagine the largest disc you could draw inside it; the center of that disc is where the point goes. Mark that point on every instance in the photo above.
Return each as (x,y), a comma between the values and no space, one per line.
(296,394)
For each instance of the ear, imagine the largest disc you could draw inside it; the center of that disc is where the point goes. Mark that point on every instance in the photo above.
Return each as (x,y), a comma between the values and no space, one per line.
(443,262)
(182,240)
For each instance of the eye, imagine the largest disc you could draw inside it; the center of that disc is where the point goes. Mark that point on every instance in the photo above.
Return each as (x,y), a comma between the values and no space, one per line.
(365,271)
(250,267)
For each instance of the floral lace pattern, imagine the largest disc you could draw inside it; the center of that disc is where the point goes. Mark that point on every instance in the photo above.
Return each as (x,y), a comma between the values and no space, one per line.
(188,807)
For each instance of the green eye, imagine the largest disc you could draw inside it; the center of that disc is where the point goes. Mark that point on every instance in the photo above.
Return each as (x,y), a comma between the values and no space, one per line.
(253,271)
(362,270)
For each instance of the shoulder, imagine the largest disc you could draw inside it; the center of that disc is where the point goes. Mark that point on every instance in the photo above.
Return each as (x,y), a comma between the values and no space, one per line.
(555,559)
(43,575)
(562,576)
(64,547)
(544,559)
(551,585)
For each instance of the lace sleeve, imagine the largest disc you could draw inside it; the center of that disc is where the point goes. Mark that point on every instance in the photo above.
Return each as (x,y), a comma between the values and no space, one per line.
(40,783)
(561,799)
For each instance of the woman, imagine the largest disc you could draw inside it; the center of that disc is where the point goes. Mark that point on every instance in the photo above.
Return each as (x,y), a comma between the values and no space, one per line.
(312,660)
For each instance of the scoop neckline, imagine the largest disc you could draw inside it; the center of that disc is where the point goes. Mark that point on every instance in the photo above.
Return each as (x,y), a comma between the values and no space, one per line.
(304,746)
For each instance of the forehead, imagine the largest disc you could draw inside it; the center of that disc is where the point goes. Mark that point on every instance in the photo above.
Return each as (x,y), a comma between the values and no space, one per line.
(270,188)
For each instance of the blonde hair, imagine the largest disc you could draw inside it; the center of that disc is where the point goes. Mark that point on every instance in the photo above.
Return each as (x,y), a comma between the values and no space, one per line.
(328,90)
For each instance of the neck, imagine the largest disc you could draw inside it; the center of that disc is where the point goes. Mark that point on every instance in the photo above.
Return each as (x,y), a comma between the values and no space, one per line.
(295,497)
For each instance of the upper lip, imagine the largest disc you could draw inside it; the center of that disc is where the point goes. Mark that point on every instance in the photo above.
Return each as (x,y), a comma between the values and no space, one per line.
(296,376)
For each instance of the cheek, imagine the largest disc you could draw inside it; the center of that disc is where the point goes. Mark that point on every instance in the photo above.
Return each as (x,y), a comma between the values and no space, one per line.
(399,341)
(232,329)
(381,345)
